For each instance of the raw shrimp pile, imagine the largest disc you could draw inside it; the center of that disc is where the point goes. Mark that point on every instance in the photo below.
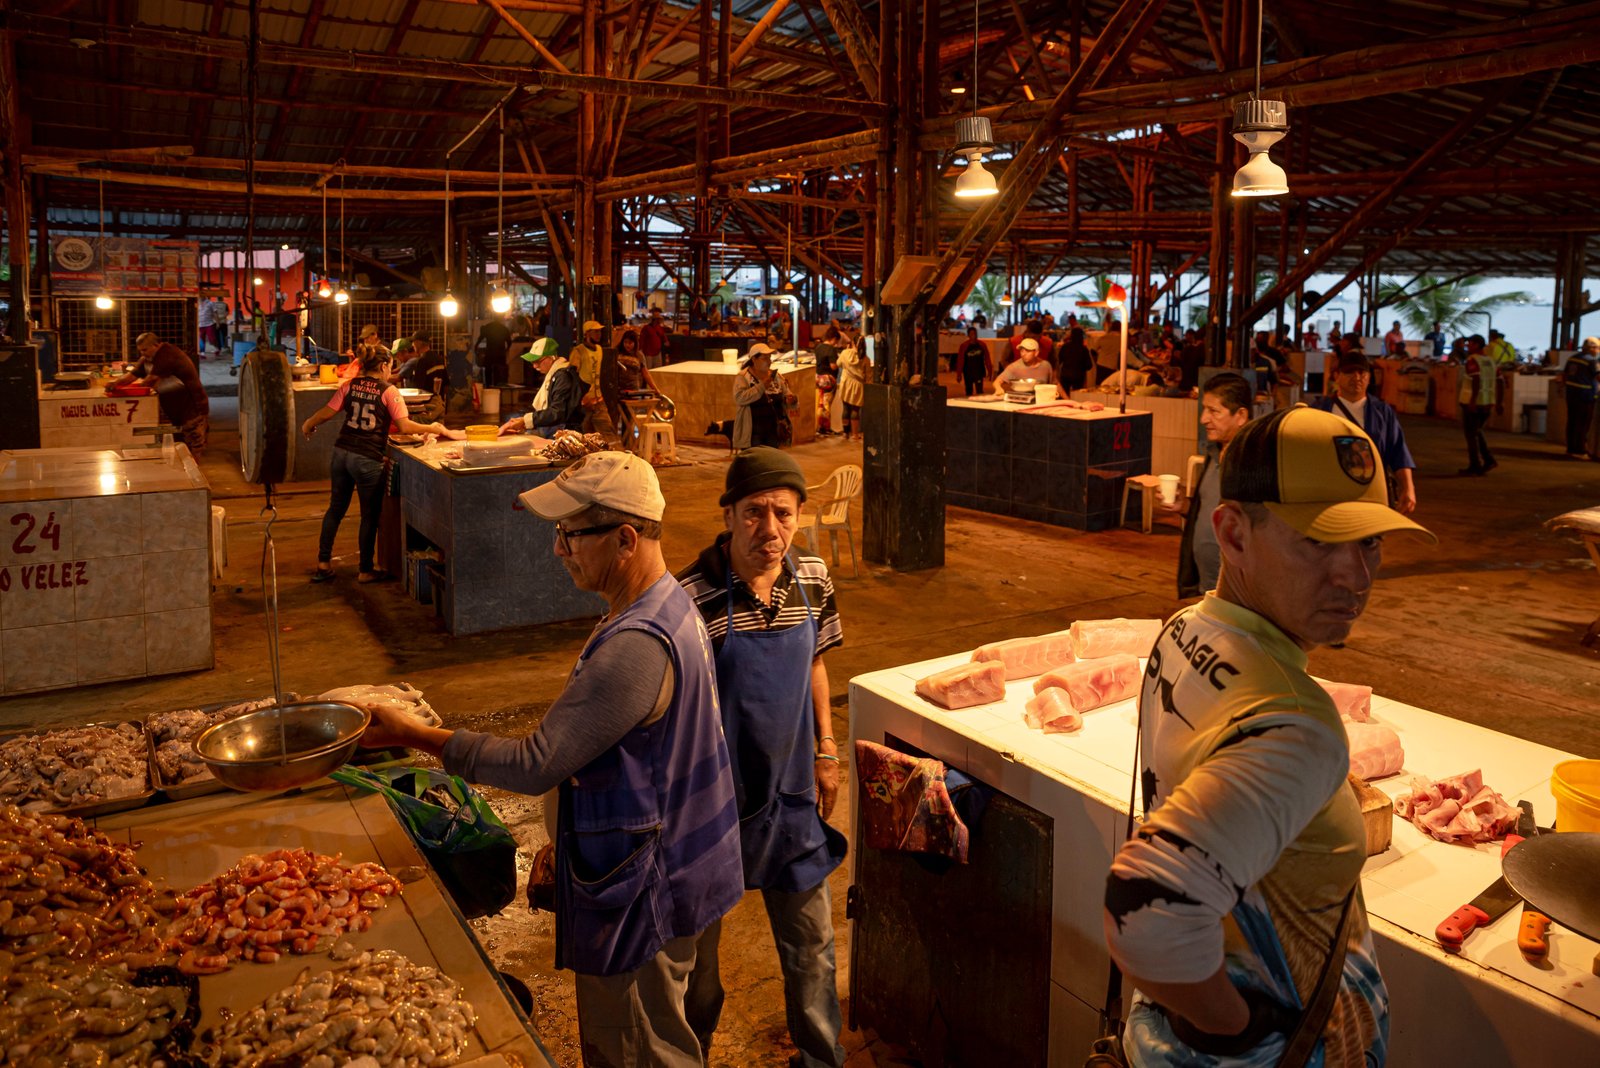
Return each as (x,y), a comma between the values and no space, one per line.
(78,766)
(70,893)
(283,902)
(379,1005)
(78,1014)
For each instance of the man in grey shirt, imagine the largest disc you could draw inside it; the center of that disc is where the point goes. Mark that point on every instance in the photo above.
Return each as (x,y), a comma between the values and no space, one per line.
(1225,408)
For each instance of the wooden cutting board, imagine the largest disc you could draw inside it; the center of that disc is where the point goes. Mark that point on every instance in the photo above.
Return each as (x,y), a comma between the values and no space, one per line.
(1377,814)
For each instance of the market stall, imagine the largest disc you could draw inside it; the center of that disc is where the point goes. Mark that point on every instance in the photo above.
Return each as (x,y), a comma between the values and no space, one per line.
(497,566)
(1478,1006)
(1054,463)
(702,390)
(87,418)
(105,566)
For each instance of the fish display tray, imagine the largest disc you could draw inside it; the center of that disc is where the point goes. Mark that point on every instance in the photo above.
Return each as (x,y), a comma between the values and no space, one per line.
(110,804)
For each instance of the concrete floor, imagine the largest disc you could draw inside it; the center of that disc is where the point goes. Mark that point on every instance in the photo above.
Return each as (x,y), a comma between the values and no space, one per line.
(1483,627)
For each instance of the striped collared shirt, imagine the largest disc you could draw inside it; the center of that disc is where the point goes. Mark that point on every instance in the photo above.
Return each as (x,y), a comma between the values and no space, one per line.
(706,581)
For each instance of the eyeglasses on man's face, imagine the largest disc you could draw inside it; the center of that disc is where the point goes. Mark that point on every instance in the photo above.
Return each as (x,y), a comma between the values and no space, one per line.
(564,536)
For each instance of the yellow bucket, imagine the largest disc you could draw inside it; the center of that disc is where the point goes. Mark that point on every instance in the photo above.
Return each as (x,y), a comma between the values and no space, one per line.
(1576,785)
(328,374)
(482,432)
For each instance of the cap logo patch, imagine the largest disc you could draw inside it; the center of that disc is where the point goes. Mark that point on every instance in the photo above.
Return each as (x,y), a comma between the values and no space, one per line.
(1356,458)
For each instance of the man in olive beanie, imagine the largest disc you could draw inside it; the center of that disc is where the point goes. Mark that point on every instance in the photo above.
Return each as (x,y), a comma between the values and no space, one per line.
(771,616)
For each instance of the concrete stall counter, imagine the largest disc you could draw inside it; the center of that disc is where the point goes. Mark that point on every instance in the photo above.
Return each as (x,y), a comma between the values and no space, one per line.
(1046,463)
(88,419)
(105,567)
(703,393)
(1478,1006)
(500,569)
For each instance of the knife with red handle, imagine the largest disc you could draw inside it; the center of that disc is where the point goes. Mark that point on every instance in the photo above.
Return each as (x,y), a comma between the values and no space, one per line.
(1533,932)
(1495,901)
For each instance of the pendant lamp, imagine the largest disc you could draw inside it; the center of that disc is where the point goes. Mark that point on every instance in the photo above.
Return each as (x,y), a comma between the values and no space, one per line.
(1258,125)
(499,299)
(341,295)
(324,290)
(974,137)
(103,301)
(447,306)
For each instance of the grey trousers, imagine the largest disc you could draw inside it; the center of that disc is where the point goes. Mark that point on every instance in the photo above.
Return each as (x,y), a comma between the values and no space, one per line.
(637,1019)
(802,927)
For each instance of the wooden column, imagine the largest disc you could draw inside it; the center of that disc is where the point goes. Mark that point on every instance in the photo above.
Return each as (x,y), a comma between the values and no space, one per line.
(41,256)
(13,140)
(1217,253)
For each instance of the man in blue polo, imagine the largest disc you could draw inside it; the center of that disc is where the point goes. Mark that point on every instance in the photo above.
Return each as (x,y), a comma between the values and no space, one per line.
(771,617)
(646,831)
(1379,419)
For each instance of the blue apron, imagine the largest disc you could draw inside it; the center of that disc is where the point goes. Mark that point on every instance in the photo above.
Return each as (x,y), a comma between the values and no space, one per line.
(764,688)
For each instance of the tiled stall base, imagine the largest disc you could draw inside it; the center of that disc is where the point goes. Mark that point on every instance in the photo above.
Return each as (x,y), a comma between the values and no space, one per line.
(95,589)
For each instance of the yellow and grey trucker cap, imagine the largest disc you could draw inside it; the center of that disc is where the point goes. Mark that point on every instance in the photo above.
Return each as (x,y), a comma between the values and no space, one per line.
(1315,471)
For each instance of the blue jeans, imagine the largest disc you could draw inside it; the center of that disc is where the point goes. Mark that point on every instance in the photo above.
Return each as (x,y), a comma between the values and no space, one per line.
(802,927)
(363,477)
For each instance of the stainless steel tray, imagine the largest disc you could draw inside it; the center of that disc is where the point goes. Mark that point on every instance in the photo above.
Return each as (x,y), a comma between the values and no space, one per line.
(113,804)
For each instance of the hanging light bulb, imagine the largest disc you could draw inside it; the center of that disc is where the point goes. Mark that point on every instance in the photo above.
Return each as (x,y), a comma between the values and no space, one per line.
(1116,296)
(448,306)
(1005,299)
(975,180)
(1258,125)
(256,281)
(341,296)
(499,300)
(324,290)
(103,301)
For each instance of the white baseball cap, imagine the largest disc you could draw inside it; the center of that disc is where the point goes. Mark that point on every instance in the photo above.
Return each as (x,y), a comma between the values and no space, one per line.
(619,481)
(1028,343)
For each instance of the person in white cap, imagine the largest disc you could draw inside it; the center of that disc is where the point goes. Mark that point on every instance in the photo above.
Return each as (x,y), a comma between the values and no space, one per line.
(587,356)
(643,824)
(1236,909)
(763,400)
(1028,365)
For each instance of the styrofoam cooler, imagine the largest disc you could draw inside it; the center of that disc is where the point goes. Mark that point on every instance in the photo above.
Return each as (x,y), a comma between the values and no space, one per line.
(489,403)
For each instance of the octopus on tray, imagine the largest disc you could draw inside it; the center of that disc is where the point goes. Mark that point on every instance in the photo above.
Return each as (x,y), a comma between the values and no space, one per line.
(402,697)
(174,733)
(281,902)
(71,767)
(378,1004)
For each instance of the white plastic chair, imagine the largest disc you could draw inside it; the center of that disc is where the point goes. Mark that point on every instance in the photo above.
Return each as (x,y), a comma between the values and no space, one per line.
(829,508)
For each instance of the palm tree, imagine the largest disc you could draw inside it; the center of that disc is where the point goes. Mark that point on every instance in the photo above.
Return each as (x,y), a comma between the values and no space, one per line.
(1099,284)
(1450,304)
(986,295)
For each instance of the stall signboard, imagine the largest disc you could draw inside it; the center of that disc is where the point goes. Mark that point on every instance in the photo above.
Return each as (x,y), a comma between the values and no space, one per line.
(124,265)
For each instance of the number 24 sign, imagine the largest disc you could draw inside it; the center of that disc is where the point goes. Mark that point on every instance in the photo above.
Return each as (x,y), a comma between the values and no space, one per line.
(30,533)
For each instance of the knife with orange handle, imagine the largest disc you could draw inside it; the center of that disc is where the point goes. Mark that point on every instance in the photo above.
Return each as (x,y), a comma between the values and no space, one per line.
(1495,901)
(1533,933)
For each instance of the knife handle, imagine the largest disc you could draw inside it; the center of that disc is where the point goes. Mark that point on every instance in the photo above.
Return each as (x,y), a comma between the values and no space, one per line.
(1531,936)
(1460,923)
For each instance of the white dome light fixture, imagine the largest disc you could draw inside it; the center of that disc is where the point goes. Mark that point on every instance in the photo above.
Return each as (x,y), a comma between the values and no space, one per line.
(341,296)
(974,137)
(499,301)
(448,306)
(1258,125)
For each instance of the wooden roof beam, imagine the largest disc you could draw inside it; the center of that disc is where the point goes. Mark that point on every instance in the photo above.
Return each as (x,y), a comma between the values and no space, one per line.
(705,94)
(859,39)
(499,8)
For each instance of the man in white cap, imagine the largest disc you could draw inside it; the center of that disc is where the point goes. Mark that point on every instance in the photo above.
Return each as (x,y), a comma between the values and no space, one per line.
(1028,365)
(1248,812)
(761,400)
(645,831)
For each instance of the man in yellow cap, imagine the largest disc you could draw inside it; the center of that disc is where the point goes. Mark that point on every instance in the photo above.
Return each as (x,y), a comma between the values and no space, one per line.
(1248,812)
(586,356)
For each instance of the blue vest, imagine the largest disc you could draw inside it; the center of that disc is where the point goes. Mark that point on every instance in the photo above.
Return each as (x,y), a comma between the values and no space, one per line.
(647,848)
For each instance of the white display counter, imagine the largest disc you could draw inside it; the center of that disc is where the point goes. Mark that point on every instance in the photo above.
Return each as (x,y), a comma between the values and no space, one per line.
(105,566)
(1483,1006)
(702,390)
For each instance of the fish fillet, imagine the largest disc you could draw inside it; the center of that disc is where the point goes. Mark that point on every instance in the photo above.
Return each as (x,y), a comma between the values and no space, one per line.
(1093,638)
(1375,750)
(1090,684)
(1026,657)
(1352,701)
(1051,711)
(965,685)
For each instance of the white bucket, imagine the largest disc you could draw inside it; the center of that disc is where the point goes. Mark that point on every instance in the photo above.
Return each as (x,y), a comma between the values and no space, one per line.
(490,402)
(1169,488)
(1045,394)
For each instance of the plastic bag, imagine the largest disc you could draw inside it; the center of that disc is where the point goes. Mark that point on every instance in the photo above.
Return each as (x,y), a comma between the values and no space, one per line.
(469,848)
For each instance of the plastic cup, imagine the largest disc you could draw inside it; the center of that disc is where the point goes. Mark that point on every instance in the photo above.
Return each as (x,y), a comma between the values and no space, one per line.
(1169,488)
